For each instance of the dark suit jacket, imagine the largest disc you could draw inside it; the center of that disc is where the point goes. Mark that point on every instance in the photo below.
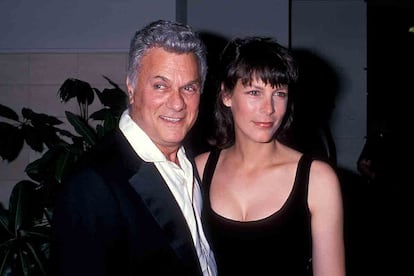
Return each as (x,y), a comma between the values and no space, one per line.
(117,216)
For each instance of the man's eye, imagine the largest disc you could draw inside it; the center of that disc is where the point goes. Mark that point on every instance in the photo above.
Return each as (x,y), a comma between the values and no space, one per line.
(159,86)
(190,89)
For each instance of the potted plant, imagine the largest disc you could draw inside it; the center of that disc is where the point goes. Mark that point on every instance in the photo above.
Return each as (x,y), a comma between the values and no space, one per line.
(25,225)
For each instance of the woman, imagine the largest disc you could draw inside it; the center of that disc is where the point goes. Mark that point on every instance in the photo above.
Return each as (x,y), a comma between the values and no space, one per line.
(268,209)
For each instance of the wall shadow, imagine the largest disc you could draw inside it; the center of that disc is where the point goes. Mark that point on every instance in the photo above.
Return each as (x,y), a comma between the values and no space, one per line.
(198,137)
(314,97)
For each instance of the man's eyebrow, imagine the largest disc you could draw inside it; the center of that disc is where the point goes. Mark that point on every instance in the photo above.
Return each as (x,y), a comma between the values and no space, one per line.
(161,77)
(196,82)
(192,82)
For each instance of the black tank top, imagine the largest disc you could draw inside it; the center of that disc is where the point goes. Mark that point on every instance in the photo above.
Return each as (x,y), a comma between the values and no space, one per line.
(279,244)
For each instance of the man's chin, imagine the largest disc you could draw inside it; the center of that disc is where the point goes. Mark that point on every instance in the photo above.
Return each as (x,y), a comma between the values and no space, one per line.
(173,140)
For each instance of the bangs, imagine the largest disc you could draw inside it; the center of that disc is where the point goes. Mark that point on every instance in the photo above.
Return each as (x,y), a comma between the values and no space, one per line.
(267,75)
(268,67)
(257,59)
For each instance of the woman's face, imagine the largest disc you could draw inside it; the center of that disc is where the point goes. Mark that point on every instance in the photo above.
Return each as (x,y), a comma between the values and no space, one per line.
(258,109)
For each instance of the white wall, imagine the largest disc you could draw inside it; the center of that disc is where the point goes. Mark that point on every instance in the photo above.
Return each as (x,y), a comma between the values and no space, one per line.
(240,17)
(76,25)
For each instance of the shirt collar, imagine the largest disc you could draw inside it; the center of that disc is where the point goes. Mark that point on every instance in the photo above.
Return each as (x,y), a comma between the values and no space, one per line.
(141,142)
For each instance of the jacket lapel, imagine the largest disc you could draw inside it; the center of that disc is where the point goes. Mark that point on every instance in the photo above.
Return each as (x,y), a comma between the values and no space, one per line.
(153,190)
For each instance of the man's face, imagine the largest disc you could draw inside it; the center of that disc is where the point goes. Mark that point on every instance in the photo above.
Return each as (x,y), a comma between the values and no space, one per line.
(165,100)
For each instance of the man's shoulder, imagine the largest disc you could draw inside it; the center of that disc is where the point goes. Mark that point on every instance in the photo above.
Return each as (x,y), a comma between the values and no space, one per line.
(110,148)
(110,156)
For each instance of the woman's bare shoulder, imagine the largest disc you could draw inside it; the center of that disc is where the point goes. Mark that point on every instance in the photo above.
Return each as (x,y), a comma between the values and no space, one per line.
(324,185)
(322,170)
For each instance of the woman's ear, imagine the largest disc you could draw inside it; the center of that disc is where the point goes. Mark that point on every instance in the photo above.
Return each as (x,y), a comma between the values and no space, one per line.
(225,96)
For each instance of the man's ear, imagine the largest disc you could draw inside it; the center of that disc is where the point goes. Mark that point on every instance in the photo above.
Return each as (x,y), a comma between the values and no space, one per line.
(225,96)
(130,91)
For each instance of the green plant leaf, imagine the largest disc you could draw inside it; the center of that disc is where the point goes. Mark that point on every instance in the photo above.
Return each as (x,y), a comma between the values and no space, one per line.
(5,262)
(99,115)
(48,214)
(62,165)
(33,137)
(51,138)
(20,206)
(111,82)
(37,258)
(72,88)
(114,98)
(100,131)
(41,169)
(24,262)
(67,90)
(40,119)
(110,122)
(64,132)
(8,113)
(11,141)
(39,233)
(4,225)
(82,128)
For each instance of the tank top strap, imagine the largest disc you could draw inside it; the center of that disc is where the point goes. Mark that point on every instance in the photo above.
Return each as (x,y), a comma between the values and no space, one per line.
(302,177)
(209,169)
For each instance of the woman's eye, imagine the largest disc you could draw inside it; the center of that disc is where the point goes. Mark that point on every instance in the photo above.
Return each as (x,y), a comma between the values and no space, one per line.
(280,94)
(253,92)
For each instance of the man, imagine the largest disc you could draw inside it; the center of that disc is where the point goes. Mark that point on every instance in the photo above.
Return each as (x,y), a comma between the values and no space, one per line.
(135,208)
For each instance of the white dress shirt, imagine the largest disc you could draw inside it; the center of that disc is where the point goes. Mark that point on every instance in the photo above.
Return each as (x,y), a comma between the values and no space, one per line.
(181,182)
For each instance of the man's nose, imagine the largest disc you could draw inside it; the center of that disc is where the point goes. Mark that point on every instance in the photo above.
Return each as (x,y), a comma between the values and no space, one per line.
(176,101)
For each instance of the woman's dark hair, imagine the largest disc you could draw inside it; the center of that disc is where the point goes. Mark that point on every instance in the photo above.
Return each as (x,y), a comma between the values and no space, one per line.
(245,59)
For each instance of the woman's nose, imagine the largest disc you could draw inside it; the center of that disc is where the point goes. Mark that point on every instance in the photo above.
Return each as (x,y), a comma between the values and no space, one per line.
(268,106)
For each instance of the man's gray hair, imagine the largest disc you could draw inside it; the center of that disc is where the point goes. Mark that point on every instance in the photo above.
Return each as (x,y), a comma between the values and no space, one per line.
(171,36)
